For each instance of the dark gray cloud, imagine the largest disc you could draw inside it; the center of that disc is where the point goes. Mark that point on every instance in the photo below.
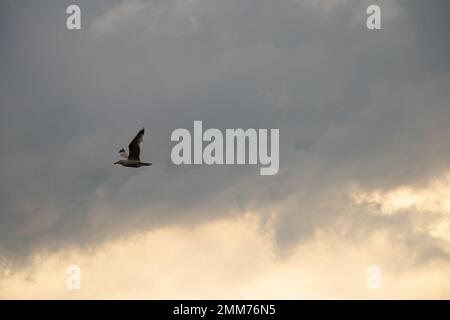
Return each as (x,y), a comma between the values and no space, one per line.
(432,27)
(351,105)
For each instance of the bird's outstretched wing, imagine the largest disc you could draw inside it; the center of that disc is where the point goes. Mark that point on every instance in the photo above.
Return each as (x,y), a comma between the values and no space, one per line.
(123,153)
(134,146)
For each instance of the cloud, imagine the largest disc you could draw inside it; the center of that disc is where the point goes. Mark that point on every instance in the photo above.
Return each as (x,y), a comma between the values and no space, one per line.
(206,263)
(434,197)
(125,11)
(354,108)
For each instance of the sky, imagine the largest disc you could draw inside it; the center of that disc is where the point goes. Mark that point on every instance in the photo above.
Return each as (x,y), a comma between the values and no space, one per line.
(364,122)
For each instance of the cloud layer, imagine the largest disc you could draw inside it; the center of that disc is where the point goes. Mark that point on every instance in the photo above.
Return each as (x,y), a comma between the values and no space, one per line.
(360,113)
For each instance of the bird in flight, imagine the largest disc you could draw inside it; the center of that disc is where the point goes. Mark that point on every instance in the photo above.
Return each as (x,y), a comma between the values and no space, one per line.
(132,159)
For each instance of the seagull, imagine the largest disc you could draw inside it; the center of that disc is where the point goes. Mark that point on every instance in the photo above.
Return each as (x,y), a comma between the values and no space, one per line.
(132,159)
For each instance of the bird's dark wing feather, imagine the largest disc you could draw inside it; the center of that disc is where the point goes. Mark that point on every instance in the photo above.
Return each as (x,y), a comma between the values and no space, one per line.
(134,146)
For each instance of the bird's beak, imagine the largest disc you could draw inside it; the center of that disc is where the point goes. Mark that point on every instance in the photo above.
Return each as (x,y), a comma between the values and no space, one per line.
(116,162)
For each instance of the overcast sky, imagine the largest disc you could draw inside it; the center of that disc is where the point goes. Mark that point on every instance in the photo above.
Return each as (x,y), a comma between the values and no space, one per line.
(364,120)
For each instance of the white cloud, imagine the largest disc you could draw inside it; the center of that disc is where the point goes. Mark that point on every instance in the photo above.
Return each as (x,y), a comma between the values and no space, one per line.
(434,197)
